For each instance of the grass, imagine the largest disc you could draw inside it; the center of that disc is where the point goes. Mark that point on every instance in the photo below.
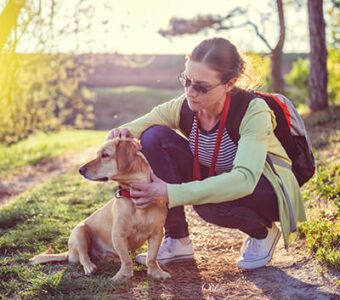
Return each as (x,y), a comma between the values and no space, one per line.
(119,105)
(45,217)
(45,145)
(131,101)
(139,91)
(322,192)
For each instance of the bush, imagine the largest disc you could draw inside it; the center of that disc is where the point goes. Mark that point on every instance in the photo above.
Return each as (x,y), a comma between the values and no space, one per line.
(298,79)
(333,66)
(323,238)
(40,92)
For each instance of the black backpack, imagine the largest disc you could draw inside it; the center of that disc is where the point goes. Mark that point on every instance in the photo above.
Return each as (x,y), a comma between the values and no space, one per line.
(290,129)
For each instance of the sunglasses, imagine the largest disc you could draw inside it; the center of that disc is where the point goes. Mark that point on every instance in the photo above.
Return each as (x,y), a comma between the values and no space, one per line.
(199,88)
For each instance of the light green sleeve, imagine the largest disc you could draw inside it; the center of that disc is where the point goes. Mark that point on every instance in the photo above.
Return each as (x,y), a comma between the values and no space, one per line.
(255,131)
(166,114)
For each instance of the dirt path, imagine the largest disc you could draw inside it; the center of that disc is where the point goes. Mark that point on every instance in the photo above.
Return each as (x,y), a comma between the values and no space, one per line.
(213,274)
(32,176)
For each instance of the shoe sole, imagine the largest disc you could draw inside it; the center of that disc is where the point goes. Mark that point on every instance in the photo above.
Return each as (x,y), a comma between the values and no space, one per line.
(262,262)
(175,259)
(163,262)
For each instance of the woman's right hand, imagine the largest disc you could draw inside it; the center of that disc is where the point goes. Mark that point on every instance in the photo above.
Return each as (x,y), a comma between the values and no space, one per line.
(119,132)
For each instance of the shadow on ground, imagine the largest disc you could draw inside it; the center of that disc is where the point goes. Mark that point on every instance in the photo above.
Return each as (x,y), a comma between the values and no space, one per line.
(279,285)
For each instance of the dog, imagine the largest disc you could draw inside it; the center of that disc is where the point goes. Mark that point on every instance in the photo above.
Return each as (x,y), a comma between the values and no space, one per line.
(119,226)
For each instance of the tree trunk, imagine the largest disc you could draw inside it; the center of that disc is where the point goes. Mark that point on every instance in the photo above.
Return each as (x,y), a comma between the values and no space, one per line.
(8,19)
(318,76)
(276,77)
(277,80)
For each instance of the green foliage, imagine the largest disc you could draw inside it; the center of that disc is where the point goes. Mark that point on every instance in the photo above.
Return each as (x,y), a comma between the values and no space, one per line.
(333,66)
(41,92)
(322,192)
(322,230)
(327,181)
(298,79)
(323,238)
(44,145)
(334,24)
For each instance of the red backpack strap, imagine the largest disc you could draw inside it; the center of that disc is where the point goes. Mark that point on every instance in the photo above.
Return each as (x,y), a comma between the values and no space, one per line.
(279,102)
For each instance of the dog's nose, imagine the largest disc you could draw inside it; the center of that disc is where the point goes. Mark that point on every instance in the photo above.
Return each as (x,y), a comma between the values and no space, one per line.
(82,170)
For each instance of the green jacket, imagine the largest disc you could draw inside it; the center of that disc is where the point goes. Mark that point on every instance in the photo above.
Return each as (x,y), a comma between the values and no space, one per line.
(256,138)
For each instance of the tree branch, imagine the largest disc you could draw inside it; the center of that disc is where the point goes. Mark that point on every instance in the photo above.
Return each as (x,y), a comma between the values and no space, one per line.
(256,29)
(200,23)
(183,26)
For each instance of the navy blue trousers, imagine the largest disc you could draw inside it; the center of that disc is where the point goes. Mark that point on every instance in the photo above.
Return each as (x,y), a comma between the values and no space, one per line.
(171,160)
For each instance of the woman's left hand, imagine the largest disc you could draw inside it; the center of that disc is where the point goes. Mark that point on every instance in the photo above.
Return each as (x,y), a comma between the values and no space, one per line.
(146,194)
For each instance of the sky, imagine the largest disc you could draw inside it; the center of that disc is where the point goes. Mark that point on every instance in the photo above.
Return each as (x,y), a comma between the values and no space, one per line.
(146,17)
(131,26)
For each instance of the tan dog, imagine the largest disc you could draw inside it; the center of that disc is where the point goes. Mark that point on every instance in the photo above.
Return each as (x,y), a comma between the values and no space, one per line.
(119,226)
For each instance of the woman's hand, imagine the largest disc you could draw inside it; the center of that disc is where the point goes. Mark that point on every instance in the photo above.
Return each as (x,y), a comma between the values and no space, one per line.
(117,132)
(146,194)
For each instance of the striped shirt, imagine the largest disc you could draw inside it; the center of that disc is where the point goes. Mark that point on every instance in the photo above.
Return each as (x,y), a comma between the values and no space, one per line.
(206,147)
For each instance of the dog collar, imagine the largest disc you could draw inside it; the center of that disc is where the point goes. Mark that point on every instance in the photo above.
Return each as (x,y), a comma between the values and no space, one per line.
(122,193)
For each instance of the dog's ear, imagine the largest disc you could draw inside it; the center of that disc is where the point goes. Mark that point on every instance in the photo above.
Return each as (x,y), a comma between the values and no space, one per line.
(125,154)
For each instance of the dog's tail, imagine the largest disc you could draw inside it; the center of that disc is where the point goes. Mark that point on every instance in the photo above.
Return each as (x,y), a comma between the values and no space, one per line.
(48,256)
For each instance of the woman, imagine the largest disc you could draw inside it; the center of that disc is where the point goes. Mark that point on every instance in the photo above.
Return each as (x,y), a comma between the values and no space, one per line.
(236,188)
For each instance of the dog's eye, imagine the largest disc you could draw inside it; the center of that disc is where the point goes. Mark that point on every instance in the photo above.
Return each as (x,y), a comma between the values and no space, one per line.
(104,155)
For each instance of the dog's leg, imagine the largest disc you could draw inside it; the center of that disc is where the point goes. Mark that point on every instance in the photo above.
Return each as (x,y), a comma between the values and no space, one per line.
(126,269)
(154,270)
(79,243)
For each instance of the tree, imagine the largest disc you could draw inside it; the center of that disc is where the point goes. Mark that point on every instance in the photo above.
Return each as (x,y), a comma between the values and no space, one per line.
(276,55)
(318,76)
(224,23)
(8,19)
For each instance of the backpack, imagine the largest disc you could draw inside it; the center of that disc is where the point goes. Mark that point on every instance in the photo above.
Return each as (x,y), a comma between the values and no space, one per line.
(290,129)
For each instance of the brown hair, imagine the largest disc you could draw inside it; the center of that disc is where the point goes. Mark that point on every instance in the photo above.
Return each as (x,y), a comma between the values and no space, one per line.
(222,56)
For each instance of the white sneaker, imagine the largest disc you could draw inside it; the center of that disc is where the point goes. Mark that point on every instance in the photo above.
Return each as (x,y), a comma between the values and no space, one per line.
(171,250)
(257,253)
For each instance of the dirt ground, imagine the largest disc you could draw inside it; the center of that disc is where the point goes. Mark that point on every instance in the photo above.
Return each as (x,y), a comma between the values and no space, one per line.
(213,274)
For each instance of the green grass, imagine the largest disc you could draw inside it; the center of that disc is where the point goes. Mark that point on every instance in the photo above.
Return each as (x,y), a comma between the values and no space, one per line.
(139,91)
(119,105)
(44,145)
(322,192)
(136,98)
(45,217)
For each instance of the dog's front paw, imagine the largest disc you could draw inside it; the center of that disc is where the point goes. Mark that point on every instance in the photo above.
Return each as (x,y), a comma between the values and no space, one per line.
(122,275)
(90,268)
(158,273)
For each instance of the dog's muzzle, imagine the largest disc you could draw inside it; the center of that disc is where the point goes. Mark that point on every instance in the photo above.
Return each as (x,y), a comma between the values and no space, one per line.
(83,172)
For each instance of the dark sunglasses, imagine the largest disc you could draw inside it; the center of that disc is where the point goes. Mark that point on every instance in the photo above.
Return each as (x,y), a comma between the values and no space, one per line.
(199,88)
